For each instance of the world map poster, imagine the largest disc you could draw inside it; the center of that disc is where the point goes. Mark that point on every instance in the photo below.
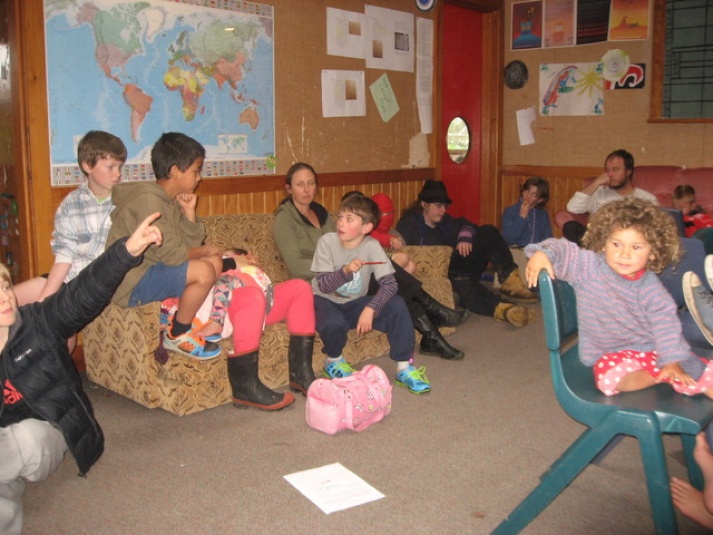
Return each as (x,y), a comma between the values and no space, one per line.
(139,68)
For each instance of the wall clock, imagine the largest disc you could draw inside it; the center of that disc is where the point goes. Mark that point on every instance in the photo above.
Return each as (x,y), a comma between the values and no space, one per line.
(425,5)
(515,74)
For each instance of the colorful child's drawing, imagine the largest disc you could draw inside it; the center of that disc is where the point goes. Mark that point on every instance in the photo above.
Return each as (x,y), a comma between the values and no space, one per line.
(567,89)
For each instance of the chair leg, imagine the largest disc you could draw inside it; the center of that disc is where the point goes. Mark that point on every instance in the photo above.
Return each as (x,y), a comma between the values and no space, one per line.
(558,477)
(653,457)
(607,450)
(695,477)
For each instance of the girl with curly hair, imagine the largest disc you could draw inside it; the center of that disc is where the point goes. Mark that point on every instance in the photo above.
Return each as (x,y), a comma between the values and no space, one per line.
(629,331)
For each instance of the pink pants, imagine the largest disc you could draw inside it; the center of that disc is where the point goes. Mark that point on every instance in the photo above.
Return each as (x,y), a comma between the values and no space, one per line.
(609,370)
(293,302)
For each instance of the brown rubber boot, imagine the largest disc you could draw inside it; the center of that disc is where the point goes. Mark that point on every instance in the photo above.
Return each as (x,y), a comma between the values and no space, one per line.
(515,315)
(514,287)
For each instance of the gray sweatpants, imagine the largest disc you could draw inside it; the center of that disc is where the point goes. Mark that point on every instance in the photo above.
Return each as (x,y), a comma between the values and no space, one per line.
(32,450)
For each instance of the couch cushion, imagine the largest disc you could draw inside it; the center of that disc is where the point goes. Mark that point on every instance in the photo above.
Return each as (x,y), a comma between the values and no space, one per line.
(659,180)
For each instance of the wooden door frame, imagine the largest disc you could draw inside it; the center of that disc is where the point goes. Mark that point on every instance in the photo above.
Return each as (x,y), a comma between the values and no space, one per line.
(492,102)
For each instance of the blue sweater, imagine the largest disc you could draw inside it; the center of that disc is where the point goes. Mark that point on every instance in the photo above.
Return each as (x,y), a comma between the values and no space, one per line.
(534,228)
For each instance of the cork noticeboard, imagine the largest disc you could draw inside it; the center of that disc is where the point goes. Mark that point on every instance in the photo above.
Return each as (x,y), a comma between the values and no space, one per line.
(342,143)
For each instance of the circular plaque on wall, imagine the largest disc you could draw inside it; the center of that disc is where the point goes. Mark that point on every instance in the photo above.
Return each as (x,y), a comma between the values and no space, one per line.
(425,5)
(515,74)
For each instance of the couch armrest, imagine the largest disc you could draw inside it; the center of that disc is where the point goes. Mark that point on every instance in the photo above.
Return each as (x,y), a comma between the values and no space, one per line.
(119,351)
(564,216)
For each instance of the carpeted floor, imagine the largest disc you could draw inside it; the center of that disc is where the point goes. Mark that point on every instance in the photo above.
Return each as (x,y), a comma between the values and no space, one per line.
(454,461)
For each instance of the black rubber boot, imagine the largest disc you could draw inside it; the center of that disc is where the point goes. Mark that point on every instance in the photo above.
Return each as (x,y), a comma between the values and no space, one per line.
(440,314)
(300,359)
(248,390)
(432,341)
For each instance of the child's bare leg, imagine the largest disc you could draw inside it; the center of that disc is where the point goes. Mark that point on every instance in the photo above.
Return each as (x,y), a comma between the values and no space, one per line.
(637,380)
(209,329)
(704,457)
(689,500)
(697,505)
(200,278)
(410,267)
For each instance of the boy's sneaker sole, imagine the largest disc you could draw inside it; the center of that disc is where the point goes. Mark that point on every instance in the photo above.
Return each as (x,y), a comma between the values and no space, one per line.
(419,378)
(692,284)
(338,370)
(708,267)
(189,346)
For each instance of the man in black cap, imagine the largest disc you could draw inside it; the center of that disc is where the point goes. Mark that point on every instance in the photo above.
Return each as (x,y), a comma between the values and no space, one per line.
(474,247)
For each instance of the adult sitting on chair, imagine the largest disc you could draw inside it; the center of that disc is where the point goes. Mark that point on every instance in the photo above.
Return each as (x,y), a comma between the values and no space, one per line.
(612,185)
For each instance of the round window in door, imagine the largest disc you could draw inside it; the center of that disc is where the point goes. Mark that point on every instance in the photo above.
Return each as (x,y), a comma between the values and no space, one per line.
(458,140)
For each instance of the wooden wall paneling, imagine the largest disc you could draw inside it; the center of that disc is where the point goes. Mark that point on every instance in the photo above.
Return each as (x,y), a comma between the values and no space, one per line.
(492,116)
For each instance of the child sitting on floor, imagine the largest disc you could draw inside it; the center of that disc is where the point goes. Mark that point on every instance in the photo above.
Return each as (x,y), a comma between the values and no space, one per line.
(629,330)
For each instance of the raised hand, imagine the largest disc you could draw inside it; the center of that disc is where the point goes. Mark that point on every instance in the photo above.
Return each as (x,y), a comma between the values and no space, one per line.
(144,235)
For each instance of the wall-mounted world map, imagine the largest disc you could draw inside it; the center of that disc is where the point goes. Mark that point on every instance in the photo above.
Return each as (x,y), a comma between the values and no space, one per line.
(138,69)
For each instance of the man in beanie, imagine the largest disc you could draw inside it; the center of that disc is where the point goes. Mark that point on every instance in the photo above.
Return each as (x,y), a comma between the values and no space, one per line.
(474,247)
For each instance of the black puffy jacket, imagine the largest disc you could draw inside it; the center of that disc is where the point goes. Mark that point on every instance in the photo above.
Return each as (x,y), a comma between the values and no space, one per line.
(36,361)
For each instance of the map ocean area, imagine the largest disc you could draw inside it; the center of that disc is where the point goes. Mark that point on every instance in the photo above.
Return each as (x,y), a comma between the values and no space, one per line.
(138,69)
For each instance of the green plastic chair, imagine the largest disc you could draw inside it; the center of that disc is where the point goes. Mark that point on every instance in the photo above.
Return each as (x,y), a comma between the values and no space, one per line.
(646,415)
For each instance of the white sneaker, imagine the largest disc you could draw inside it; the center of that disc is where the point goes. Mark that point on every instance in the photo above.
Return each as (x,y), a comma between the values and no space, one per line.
(699,302)
(708,266)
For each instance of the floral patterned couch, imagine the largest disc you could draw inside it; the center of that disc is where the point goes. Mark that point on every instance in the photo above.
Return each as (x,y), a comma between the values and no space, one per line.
(120,345)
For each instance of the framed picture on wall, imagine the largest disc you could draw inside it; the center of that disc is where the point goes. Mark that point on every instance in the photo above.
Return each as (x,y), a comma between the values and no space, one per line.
(560,23)
(526,25)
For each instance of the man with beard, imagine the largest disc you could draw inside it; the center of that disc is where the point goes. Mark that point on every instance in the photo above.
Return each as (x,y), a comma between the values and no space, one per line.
(612,185)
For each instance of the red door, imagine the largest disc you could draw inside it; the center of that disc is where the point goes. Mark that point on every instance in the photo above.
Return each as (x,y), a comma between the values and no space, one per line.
(462,97)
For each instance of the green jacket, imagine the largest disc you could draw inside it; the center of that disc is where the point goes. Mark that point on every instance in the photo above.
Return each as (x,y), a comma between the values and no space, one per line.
(134,202)
(296,238)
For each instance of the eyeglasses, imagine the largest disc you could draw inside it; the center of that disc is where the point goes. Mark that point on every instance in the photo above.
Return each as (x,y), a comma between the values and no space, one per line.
(440,205)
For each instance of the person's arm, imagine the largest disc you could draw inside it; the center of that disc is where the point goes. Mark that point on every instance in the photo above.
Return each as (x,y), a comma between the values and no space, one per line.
(55,278)
(65,243)
(661,314)
(329,282)
(514,226)
(582,202)
(388,287)
(84,297)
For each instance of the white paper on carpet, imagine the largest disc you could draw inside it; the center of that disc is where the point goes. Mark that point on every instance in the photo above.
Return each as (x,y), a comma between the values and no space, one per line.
(333,487)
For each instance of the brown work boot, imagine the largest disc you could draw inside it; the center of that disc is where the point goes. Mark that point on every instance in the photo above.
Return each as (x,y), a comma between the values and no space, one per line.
(515,315)
(515,288)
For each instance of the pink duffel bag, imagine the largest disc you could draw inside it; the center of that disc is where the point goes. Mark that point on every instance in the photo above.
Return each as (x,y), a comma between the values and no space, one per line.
(353,402)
